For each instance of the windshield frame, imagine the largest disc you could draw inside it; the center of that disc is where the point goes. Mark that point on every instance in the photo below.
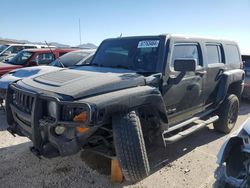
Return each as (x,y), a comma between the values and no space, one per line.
(160,61)
(2,45)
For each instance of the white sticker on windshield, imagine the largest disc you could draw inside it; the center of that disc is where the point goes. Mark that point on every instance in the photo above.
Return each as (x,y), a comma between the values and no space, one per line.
(148,44)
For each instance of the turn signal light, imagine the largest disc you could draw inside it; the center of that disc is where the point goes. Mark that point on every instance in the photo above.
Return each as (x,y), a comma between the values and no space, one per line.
(82,117)
(82,129)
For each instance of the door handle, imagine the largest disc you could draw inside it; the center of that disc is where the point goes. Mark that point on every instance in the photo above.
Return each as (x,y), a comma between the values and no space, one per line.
(200,73)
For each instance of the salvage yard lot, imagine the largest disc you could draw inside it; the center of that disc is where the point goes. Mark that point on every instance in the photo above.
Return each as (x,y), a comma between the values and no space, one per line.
(188,163)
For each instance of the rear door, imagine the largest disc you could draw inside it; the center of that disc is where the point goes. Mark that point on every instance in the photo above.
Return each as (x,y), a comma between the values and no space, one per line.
(44,58)
(215,62)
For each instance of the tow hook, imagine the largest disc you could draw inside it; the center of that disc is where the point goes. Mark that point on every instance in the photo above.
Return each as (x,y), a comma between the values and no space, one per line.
(11,131)
(35,152)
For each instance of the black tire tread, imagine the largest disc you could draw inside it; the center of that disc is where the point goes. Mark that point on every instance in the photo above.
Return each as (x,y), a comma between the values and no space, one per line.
(222,124)
(130,146)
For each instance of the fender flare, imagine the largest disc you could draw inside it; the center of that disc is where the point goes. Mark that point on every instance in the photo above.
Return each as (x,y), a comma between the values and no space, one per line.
(125,100)
(226,79)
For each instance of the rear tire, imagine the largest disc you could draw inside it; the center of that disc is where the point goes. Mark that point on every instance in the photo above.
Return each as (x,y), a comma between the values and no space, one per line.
(130,146)
(228,114)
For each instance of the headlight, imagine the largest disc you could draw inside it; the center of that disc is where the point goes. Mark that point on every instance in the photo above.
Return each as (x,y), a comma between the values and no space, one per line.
(79,113)
(52,109)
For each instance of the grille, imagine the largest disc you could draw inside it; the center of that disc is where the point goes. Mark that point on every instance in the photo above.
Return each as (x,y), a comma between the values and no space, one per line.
(23,101)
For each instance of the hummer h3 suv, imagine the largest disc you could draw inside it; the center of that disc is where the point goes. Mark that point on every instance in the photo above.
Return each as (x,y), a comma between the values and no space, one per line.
(135,89)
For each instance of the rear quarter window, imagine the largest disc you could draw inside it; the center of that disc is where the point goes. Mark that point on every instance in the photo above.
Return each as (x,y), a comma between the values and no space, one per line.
(44,58)
(214,53)
(232,54)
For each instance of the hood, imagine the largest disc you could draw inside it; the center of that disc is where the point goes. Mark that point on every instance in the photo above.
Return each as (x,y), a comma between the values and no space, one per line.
(85,81)
(21,73)
(7,66)
(4,68)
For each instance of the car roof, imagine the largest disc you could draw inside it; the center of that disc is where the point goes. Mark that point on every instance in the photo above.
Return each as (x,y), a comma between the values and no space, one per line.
(48,50)
(85,50)
(201,38)
(180,36)
(23,44)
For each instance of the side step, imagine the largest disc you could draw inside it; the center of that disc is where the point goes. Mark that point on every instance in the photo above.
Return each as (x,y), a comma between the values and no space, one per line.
(199,124)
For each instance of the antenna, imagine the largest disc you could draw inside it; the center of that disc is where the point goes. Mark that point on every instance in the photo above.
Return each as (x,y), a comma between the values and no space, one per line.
(50,49)
(80,35)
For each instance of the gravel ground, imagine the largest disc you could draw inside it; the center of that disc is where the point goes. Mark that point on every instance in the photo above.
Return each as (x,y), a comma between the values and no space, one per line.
(189,163)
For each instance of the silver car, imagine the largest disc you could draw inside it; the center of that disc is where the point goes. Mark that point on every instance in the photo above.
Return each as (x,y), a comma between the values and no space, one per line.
(234,160)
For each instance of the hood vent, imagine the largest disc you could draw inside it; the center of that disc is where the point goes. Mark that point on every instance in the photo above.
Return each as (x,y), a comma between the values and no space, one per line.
(58,78)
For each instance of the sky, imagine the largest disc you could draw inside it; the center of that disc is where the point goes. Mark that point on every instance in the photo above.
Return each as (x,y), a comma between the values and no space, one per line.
(58,20)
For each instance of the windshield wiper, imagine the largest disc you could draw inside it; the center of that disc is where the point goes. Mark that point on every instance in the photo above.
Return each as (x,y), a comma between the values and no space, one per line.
(59,61)
(95,64)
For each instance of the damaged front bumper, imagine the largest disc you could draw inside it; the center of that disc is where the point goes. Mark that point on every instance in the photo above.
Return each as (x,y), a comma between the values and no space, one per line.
(52,132)
(234,158)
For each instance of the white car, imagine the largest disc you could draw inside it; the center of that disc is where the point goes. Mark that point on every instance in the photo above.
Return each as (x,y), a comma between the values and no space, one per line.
(234,160)
(8,50)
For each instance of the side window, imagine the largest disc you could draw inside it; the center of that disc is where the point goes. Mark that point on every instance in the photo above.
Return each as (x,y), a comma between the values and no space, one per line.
(17,49)
(186,51)
(232,54)
(44,58)
(214,53)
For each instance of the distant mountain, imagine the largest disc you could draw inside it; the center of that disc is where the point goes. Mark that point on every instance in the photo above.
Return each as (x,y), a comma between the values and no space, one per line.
(58,45)
(87,45)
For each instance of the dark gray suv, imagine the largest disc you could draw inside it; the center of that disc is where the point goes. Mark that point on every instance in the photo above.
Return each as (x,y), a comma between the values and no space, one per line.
(135,89)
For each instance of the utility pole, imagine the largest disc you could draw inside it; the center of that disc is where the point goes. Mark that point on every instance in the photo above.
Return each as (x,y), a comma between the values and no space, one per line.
(80,32)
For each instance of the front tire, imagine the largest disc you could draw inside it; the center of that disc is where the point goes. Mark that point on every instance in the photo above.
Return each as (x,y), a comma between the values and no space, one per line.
(130,146)
(228,114)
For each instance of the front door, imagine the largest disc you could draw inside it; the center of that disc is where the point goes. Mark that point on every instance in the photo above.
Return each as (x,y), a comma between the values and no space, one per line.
(185,98)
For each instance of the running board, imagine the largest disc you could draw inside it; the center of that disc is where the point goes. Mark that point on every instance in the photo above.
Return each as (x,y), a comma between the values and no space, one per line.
(199,124)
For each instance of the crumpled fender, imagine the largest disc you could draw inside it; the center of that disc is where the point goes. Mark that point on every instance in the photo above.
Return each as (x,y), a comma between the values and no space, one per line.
(242,132)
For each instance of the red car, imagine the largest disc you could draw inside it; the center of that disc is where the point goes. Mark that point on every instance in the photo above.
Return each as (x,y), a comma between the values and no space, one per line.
(32,57)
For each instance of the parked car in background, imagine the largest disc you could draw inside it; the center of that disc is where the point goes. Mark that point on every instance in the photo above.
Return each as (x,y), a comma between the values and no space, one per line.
(32,57)
(7,50)
(246,65)
(78,57)
(71,59)
(234,160)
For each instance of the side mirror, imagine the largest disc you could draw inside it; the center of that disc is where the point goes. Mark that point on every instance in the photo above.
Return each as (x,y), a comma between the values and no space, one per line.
(185,65)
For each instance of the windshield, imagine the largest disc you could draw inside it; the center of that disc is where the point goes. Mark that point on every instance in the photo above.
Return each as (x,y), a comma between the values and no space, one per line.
(247,63)
(21,58)
(70,59)
(137,54)
(3,47)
